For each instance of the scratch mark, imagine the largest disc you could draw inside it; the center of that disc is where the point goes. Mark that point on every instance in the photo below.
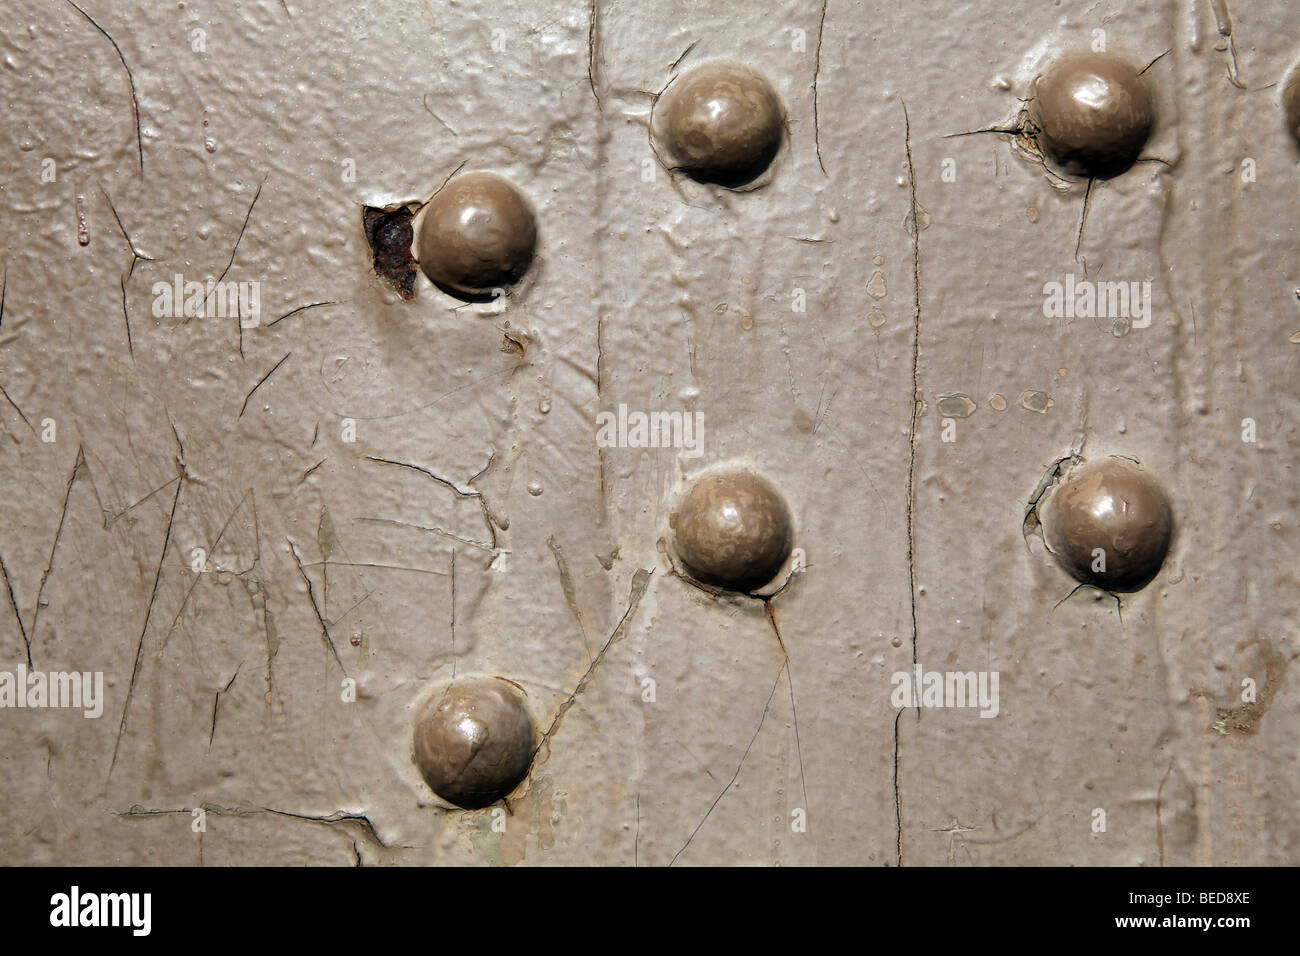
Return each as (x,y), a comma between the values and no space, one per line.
(78,469)
(244,407)
(459,492)
(593,51)
(216,703)
(817,72)
(311,595)
(144,629)
(176,618)
(425,101)
(431,530)
(339,817)
(640,581)
(16,408)
(136,257)
(1083,218)
(233,252)
(301,308)
(685,53)
(135,103)
(1154,62)
(718,799)
(566,585)
(13,603)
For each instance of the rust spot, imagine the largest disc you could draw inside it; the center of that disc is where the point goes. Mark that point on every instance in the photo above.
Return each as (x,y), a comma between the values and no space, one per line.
(390,233)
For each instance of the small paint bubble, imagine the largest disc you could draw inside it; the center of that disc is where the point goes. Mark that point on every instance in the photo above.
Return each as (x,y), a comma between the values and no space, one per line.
(544,406)
(897,642)
(876,285)
(956,405)
(876,318)
(1036,401)
(878,260)
(534,488)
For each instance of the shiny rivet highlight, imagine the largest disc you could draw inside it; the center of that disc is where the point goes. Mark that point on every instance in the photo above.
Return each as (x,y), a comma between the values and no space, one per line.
(1094,113)
(474,741)
(733,530)
(478,233)
(1109,524)
(721,122)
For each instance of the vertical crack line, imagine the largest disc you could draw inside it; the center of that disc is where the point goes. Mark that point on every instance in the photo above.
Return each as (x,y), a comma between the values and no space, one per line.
(740,766)
(453,614)
(135,102)
(570,595)
(239,322)
(13,603)
(798,746)
(144,629)
(593,51)
(311,596)
(136,256)
(817,72)
(216,704)
(78,467)
(794,713)
(1083,217)
(898,799)
(916,381)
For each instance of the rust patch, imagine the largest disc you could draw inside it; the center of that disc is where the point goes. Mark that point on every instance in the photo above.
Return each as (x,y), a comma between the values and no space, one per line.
(390,233)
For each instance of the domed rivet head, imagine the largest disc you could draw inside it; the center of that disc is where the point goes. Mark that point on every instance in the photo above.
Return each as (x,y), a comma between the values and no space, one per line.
(1093,112)
(1291,102)
(477,234)
(721,122)
(474,741)
(732,529)
(1109,523)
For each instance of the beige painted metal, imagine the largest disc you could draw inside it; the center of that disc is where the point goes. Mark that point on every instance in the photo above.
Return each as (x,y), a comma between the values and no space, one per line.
(800,319)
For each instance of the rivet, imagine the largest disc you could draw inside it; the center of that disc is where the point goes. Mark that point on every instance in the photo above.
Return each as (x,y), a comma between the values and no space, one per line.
(1291,102)
(477,234)
(474,741)
(1109,523)
(732,529)
(1094,113)
(722,122)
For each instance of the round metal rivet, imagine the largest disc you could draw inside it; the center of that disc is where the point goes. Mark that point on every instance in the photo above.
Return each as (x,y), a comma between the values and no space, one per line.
(477,234)
(474,741)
